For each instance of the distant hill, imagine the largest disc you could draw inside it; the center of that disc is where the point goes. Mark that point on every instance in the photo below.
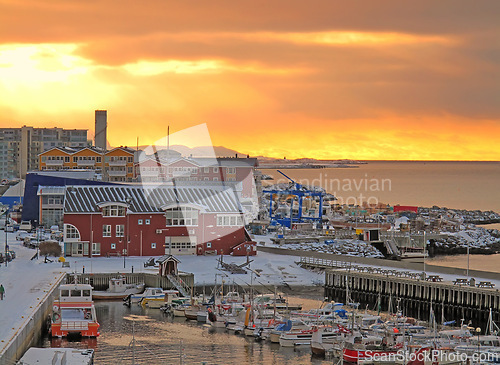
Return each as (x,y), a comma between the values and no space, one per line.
(201,151)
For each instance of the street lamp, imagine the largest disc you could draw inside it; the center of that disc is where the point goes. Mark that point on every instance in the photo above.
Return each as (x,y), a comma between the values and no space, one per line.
(478,331)
(128,200)
(5,229)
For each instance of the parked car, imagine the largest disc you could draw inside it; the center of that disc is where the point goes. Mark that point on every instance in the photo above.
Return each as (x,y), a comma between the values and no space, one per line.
(21,235)
(10,228)
(26,226)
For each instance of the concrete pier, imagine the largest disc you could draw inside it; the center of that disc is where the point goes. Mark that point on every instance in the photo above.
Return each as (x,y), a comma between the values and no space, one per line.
(415,295)
(30,330)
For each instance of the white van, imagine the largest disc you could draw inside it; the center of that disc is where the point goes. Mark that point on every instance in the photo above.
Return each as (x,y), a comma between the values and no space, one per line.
(25,226)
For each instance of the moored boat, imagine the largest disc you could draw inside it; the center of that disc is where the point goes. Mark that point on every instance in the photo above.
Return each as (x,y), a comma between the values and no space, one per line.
(118,289)
(74,312)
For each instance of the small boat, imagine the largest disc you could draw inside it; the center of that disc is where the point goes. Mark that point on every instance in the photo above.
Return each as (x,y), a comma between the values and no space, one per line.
(304,337)
(74,312)
(118,289)
(148,293)
(57,356)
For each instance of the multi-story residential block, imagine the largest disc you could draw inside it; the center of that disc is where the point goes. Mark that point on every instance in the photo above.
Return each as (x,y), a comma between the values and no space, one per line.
(115,165)
(20,147)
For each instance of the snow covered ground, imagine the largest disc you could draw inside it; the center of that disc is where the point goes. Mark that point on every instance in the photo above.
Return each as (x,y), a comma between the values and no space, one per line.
(27,281)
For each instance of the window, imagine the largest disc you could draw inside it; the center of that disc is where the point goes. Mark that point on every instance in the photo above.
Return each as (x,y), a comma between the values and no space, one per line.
(72,232)
(206,170)
(231,170)
(182,216)
(113,246)
(96,248)
(229,220)
(153,245)
(85,293)
(139,221)
(148,221)
(114,211)
(98,159)
(64,293)
(66,158)
(106,230)
(120,230)
(216,169)
(216,179)
(130,159)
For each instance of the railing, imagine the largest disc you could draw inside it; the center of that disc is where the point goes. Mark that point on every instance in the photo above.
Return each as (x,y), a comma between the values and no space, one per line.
(74,326)
(118,163)
(117,173)
(179,284)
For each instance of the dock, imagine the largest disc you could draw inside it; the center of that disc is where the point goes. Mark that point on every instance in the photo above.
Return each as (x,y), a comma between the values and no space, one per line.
(416,293)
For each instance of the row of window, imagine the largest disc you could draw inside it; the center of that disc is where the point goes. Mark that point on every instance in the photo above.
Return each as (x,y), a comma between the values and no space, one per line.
(229,220)
(192,170)
(97,159)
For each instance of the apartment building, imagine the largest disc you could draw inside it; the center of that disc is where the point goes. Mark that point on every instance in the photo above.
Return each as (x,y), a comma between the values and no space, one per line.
(115,165)
(20,147)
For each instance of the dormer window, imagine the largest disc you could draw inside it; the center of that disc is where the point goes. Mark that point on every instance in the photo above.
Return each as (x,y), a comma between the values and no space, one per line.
(114,211)
(182,216)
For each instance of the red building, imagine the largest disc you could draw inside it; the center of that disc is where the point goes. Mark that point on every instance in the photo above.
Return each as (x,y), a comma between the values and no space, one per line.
(141,221)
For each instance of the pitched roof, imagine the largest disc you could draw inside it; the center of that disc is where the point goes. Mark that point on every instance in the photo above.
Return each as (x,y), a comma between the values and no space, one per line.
(213,199)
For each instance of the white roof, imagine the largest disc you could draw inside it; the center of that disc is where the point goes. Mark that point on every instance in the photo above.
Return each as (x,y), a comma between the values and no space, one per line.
(57,356)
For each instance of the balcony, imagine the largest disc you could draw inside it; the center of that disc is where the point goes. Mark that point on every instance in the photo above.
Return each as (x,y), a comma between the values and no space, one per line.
(117,173)
(118,163)
(86,163)
(54,163)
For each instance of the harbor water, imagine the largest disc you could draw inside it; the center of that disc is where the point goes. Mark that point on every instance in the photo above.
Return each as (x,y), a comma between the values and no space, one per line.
(162,339)
(458,185)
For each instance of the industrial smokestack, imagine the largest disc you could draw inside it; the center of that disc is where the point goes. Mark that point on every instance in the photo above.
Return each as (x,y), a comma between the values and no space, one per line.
(101,124)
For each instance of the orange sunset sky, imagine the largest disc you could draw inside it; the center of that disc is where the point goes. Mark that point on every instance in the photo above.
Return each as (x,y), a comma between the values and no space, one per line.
(324,79)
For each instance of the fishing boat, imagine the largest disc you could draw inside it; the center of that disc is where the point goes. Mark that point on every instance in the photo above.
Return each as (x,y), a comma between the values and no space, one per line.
(304,337)
(118,289)
(74,312)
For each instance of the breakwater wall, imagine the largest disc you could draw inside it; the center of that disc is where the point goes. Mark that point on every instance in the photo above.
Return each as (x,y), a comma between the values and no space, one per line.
(415,296)
(100,281)
(404,265)
(31,329)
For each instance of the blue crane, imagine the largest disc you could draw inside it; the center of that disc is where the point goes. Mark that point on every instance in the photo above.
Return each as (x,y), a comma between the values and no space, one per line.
(295,189)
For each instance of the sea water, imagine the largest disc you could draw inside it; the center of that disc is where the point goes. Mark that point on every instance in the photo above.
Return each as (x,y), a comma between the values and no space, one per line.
(147,336)
(457,185)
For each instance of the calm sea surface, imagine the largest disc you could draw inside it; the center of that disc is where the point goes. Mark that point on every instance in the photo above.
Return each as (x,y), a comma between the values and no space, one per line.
(459,185)
(160,339)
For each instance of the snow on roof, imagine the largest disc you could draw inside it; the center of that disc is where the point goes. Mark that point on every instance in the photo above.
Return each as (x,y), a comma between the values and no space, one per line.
(85,199)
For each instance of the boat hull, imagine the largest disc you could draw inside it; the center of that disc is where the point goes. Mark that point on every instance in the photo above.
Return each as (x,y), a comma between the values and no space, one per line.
(83,329)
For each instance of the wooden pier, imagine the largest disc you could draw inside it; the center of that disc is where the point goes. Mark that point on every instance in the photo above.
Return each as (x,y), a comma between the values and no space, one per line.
(416,293)
(100,281)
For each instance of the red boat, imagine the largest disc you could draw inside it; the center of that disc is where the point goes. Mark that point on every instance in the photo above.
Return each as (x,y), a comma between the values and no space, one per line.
(74,312)
(353,354)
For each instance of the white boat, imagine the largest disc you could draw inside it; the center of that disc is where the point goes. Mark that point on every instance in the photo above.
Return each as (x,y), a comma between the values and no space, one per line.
(303,337)
(74,312)
(290,325)
(149,293)
(118,289)
(57,356)
(478,344)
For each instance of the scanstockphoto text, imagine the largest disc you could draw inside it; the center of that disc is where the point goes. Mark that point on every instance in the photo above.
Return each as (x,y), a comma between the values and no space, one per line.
(429,356)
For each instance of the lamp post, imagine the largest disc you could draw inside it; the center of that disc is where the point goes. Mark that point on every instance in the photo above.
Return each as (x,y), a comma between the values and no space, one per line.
(5,229)
(468,247)
(128,200)
(478,331)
